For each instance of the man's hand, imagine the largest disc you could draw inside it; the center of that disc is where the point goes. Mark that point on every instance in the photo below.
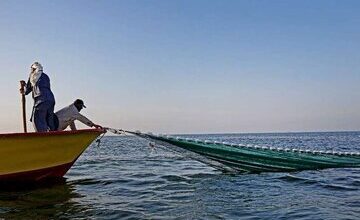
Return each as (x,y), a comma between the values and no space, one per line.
(22,84)
(97,126)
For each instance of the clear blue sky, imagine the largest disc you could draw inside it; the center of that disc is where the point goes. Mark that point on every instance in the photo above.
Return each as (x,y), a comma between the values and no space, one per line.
(189,66)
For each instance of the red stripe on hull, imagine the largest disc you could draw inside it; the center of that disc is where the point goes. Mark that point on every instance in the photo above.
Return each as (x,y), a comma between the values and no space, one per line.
(37,175)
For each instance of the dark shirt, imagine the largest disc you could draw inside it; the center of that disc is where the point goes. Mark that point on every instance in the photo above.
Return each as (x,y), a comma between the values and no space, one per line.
(41,92)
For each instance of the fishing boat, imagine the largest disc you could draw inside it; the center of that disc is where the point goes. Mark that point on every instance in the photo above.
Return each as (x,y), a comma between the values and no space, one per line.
(256,159)
(39,156)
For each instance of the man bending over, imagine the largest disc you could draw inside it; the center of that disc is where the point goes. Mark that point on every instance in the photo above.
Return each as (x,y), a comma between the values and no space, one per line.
(69,114)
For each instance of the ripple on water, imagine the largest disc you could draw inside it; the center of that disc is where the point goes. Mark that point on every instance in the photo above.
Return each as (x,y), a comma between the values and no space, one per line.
(126,179)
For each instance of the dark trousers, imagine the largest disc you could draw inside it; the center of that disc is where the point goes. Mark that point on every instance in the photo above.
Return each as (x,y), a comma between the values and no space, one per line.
(43,117)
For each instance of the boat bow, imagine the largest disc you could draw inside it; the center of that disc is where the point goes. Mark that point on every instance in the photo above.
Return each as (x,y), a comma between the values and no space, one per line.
(36,156)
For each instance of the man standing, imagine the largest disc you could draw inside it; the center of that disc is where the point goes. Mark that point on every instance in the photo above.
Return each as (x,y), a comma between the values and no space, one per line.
(69,114)
(43,111)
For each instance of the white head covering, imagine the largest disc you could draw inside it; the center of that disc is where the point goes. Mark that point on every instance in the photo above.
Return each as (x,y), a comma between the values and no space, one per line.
(36,71)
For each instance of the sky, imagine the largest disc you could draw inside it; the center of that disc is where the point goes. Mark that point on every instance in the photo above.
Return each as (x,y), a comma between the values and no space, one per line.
(185,66)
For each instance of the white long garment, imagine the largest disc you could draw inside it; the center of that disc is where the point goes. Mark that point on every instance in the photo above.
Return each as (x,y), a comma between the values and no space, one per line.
(68,115)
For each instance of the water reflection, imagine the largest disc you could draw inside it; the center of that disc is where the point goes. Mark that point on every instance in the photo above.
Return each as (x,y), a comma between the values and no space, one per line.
(54,199)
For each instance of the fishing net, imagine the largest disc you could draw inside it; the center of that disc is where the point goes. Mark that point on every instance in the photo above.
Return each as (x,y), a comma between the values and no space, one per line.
(246,158)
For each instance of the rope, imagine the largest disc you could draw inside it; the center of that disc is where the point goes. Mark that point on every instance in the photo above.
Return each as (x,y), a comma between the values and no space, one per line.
(176,150)
(98,141)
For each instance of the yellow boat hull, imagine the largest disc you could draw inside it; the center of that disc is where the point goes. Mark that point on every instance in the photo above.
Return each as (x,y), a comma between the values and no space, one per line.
(36,156)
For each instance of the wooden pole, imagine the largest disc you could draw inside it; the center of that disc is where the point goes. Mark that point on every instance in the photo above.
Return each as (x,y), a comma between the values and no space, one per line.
(23,101)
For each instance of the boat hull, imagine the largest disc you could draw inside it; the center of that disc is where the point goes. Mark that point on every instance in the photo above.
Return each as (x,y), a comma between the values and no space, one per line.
(38,156)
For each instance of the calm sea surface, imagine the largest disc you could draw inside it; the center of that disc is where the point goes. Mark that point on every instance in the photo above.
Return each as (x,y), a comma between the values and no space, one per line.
(124,178)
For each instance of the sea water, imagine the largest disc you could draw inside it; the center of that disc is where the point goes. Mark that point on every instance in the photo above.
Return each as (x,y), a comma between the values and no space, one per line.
(125,178)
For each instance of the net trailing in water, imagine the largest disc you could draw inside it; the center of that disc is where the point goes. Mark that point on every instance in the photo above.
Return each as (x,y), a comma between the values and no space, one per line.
(257,159)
